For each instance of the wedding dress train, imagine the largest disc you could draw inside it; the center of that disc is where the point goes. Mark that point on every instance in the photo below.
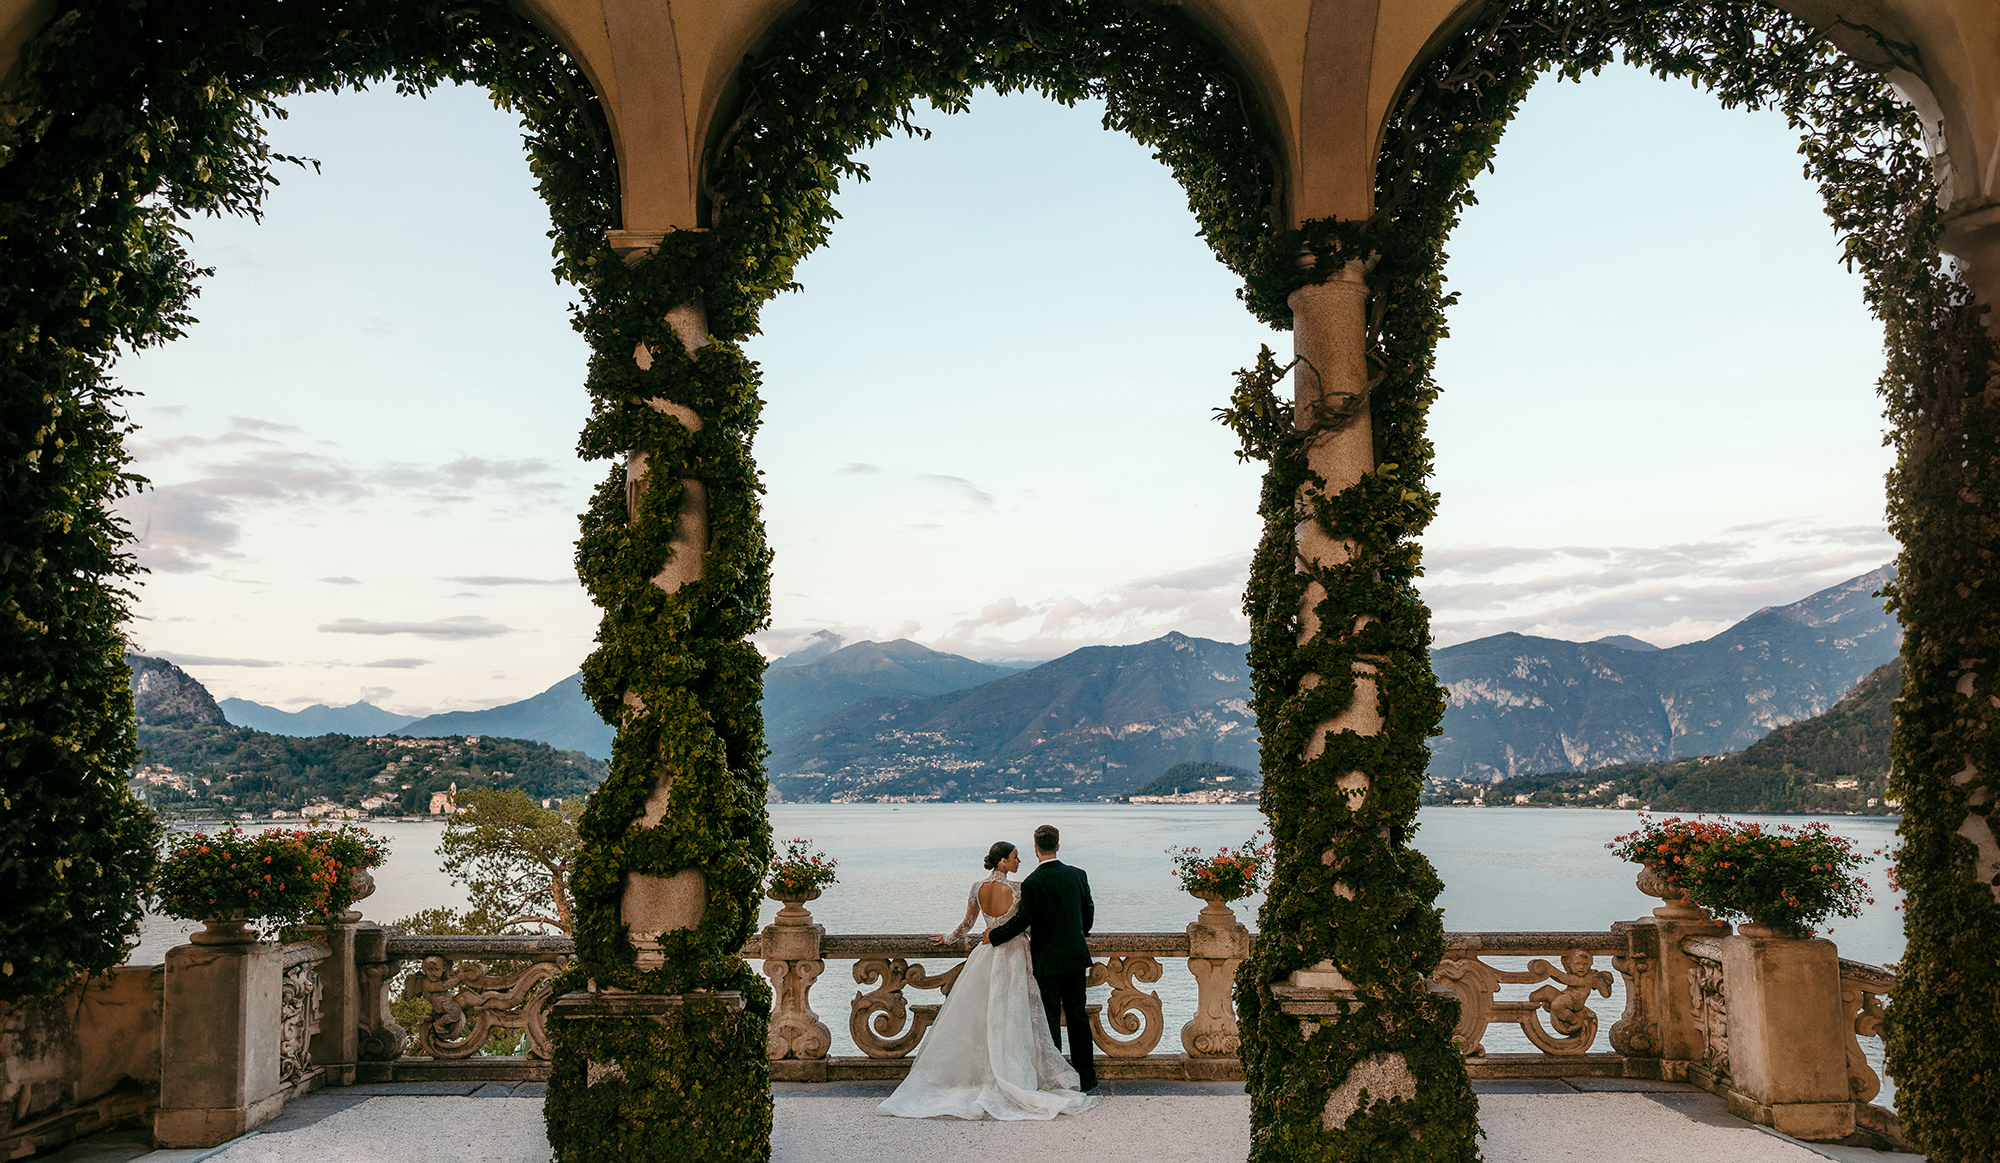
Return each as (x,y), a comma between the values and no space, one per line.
(989,1054)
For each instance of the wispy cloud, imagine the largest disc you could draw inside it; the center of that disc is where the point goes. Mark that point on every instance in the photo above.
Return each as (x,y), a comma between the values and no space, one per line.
(464,626)
(857,468)
(341,581)
(1665,594)
(397,663)
(210,660)
(964,489)
(1203,600)
(492,580)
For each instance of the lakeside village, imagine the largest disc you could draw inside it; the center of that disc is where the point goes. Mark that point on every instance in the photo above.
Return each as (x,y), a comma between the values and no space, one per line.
(405,787)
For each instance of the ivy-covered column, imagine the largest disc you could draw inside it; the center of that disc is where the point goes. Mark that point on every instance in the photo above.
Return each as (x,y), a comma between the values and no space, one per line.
(1942,1032)
(1348,1051)
(660,1036)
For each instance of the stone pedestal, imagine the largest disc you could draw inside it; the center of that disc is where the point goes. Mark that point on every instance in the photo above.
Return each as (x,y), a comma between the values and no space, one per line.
(1217,944)
(337,1045)
(792,963)
(1787,1048)
(219,1043)
(1681,1027)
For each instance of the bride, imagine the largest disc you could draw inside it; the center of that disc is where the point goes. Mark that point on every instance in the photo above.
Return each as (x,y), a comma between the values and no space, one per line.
(989,1054)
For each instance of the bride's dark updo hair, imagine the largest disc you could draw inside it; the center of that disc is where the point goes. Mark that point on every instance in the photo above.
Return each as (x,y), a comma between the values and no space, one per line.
(1001,850)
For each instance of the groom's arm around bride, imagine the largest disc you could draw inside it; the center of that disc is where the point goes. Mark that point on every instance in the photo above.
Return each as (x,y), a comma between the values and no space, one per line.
(1056,911)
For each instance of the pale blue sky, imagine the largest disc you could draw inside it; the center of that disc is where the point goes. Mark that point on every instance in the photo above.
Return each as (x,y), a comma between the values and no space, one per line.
(989,422)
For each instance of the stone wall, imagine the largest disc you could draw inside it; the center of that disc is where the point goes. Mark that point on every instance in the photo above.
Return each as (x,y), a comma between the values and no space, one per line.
(85,1059)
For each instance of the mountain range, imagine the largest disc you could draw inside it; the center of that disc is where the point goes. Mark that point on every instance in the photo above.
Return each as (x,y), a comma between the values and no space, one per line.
(1521,704)
(898,720)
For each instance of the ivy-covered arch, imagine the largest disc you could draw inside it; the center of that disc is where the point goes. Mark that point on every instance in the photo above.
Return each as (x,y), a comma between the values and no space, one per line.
(1348,893)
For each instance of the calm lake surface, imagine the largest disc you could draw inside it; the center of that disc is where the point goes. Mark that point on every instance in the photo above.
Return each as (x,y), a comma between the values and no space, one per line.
(906,868)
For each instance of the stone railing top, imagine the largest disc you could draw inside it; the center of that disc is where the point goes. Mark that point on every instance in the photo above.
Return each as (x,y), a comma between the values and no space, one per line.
(1555,941)
(1873,978)
(841,945)
(1706,948)
(306,953)
(491,945)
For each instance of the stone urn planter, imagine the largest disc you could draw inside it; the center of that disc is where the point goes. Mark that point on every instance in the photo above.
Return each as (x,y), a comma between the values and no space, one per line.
(363,883)
(1759,930)
(1215,912)
(233,930)
(1677,905)
(795,911)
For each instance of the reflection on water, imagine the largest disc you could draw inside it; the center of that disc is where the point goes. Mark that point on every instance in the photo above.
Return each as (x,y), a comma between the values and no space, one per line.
(905,868)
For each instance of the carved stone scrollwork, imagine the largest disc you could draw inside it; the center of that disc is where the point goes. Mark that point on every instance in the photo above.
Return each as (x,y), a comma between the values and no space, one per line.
(1565,1000)
(467,1004)
(796,1031)
(882,1023)
(1568,1007)
(1864,1006)
(1711,1014)
(298,1010)
(1475,983)
(1132,1011)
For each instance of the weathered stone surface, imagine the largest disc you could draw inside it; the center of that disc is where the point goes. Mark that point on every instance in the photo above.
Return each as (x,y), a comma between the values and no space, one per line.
(661,904)
(219,1043)
(1382,1076)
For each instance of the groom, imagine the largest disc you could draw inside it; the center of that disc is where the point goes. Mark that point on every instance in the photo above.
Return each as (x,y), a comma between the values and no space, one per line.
(1055,906)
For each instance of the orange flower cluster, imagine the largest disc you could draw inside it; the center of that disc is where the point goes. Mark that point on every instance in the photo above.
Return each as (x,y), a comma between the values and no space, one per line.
(1791,878)
(1227,875)
(803,869)
(285,876)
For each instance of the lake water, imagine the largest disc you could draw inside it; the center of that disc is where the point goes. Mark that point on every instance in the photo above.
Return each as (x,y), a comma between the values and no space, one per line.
(905,868)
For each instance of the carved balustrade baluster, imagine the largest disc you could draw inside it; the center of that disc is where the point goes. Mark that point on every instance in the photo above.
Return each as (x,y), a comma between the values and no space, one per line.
(1131,1011)
(1567,1004)
(1711,1014)
(380,1038)
(1475,983)
(1862,988)
(1217,944)
(1637,1033)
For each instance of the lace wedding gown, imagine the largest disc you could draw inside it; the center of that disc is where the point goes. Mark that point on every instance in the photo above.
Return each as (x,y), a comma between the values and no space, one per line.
(989,1054)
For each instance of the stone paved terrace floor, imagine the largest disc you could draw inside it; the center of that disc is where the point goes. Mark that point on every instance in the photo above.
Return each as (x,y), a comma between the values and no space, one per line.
(1552,1121)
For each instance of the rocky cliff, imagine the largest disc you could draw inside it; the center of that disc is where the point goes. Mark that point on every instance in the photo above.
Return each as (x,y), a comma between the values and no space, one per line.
(164,695)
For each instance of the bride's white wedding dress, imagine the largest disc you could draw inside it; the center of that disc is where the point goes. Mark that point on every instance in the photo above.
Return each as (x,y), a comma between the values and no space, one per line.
(989,1054)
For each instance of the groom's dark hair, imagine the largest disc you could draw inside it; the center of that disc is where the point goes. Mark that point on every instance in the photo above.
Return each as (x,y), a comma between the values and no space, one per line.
(1047,839)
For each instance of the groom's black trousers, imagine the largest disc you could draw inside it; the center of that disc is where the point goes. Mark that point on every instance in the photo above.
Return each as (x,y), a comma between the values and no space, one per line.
(1062,997)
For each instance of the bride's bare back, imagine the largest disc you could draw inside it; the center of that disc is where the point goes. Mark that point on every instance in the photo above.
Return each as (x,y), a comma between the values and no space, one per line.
(995,897)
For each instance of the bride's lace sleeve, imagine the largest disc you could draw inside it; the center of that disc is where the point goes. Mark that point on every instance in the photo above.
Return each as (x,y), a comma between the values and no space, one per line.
(971,915)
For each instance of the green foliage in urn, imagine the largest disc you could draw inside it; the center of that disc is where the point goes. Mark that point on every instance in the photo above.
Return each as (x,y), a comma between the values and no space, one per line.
(1229,875)
(802,870)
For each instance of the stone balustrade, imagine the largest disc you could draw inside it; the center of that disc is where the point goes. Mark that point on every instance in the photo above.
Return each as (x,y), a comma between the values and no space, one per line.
(1775,1025)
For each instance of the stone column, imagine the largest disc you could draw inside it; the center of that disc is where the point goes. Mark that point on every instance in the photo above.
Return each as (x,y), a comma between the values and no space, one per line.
(1217,945)
(792,962)
(219,1034)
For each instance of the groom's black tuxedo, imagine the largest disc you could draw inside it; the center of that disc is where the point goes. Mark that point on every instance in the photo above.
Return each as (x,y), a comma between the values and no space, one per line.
(1056,911)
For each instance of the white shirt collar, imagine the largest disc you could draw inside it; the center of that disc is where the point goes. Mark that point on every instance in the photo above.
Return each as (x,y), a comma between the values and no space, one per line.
(1041,859)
